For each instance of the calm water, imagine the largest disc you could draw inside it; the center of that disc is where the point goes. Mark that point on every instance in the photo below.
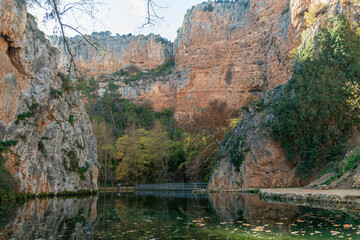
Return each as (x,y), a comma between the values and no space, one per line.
(149,215)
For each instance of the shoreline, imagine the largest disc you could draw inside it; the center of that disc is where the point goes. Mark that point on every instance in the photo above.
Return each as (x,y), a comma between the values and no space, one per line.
(302,195)
(22,197)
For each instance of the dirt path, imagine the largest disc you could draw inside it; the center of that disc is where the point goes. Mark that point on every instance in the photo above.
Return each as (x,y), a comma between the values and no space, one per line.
(355,192)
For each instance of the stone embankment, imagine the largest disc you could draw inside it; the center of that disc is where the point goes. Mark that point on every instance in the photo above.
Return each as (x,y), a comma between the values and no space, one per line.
(309,196)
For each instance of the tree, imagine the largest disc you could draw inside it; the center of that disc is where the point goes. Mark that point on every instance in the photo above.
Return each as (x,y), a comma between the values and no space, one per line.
(131,150)
(106,151)
(205,131)
(313,121)
(158,151)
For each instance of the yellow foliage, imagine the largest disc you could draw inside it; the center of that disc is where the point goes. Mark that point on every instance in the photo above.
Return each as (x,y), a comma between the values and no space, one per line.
(233,122)
(311,15)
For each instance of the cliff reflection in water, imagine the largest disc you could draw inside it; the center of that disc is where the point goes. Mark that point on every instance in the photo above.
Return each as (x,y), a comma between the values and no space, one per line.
(168,215)
(232,207)
(54,218)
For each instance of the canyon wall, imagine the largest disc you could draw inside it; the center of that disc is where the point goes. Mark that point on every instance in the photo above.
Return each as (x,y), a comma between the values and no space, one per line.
(264,162)
(261,160)
(55,149)
(231,51)
(236,50)
(112,53)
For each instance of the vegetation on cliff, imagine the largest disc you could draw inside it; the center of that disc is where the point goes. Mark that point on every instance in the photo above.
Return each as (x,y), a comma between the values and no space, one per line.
(314,120)
(137,144)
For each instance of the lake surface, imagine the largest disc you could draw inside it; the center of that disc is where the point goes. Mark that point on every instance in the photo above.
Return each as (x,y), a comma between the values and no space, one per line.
(174,215)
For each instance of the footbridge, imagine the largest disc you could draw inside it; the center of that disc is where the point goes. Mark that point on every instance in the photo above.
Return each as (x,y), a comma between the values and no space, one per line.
(173,186)
(172,194)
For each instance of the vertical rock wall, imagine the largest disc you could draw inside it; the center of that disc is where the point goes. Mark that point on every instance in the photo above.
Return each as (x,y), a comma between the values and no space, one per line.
(237,50)
(113,53)
(56,148)
(263,163)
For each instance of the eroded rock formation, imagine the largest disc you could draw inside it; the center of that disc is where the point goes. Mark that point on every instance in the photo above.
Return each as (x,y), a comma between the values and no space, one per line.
(231,51)
(55,148)
(113,53)
(251,157)
(264,163)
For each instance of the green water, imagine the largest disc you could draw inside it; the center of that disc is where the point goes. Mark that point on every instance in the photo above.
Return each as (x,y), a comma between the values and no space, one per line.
(155,215)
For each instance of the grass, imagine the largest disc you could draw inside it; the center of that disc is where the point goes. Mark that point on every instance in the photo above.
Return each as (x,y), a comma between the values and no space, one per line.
(330,180)
(353,161)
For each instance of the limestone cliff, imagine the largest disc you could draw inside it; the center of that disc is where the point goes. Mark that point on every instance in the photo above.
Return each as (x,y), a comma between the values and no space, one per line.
(237,50)
(111,53)
(231,51)
(262,161)
(55,148)
(251,158)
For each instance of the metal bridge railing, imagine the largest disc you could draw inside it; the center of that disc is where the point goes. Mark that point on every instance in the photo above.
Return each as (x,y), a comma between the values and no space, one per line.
(171,194)
(172,186)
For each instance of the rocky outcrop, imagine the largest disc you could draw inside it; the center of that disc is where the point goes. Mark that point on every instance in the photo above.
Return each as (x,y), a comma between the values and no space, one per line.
(55,148)
(231,51)
(251,158)
(236,50)
(109,53)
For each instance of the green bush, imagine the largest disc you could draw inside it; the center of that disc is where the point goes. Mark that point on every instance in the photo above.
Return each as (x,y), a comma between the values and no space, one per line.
(67,84)
(71,120)
(24,116)
(55,93)
(313,119)
(73,160)
(238,153)
(41,147)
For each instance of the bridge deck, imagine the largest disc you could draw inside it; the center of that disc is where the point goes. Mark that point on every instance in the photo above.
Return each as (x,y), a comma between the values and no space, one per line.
(172,186)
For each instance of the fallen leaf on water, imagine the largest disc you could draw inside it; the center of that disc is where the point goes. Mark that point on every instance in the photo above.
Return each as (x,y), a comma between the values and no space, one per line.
(258,229)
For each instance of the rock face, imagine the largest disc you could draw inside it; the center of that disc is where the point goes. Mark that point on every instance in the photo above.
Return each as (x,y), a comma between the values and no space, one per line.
(236,50)
(56,149)
(231,51)
(262,162)
(113,53)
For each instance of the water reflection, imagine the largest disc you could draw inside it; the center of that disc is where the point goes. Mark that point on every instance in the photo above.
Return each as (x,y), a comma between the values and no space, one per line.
(54,218)
(174,215)
(232,207)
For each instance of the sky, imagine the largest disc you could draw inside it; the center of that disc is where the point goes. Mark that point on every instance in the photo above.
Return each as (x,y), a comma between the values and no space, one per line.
(124,17)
